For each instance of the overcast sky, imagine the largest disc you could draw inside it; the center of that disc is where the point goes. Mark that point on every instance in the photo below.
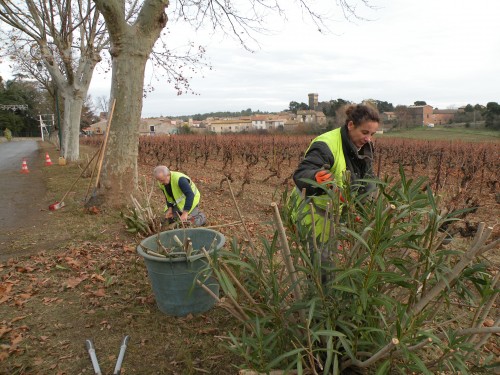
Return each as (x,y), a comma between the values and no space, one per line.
(446,52)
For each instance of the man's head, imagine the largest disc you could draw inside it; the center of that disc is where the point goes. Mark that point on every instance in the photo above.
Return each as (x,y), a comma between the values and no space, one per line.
(162,174)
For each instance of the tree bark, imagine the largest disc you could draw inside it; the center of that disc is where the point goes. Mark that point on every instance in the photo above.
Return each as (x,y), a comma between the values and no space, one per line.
(120,160)
(71,126)
(131,45)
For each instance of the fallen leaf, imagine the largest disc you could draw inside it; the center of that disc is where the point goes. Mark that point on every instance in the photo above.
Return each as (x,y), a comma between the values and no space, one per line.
(128,249)
(14,340)
(4,330)
(73,282)
(38,361)
(17,318)
(73,262)
(488,323)
(97,277)
(5,289)
(99,293)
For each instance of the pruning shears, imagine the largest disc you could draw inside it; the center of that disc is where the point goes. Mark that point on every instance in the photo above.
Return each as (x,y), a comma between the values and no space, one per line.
(95,363)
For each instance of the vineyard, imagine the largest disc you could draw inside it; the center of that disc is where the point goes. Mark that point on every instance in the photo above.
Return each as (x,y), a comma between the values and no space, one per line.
(460,171)
(463,174)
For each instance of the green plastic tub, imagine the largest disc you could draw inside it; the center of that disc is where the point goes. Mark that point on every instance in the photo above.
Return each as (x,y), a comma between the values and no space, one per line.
(173,278)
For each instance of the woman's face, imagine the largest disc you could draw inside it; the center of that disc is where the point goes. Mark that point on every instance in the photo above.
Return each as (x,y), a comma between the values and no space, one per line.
(363,133)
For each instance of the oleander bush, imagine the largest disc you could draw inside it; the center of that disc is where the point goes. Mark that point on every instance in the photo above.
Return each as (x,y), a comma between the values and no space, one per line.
(391,299)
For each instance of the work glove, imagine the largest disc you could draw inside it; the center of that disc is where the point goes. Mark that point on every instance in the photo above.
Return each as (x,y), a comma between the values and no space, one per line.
(323,176)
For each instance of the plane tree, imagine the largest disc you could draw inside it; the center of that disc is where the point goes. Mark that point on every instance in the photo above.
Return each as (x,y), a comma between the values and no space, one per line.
(58,42)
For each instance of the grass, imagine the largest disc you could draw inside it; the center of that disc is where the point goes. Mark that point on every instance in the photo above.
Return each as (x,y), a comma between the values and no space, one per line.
(446,134)
(45,318)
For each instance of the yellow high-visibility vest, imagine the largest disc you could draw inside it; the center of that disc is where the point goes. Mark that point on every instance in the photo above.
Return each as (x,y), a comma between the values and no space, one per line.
(179,198)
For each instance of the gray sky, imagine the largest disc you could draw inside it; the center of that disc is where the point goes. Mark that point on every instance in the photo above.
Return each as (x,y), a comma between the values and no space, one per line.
(445,52)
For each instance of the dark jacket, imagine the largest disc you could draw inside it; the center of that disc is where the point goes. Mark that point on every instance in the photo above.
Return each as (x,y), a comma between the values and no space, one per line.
(358,163)
(186,189)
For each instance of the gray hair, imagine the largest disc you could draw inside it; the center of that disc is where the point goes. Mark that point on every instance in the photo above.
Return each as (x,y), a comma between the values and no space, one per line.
(160,171)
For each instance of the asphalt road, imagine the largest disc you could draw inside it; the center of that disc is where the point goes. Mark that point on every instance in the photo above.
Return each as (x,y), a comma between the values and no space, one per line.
(21,199)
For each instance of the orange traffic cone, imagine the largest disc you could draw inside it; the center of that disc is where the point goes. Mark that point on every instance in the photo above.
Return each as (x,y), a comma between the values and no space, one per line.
(24,167)
(47,160)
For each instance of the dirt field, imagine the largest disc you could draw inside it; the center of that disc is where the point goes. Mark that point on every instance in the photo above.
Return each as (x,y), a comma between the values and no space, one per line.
(88,283)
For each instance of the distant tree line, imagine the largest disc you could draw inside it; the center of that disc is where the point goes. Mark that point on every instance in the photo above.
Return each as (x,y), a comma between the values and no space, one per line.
(330,108)
(19,92)
(39,101)
(204,116)
(334,111)
(492,115)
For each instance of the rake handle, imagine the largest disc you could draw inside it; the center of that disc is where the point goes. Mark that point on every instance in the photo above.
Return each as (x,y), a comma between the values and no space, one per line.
(81,174)
(104,144)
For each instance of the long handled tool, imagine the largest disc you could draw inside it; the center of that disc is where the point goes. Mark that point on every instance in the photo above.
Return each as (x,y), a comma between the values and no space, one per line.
(93,357)
(101,155)
(119,361)
(95,363)
(60,204)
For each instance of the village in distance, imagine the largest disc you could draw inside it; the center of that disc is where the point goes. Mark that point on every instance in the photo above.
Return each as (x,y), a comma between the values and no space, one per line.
(300,118)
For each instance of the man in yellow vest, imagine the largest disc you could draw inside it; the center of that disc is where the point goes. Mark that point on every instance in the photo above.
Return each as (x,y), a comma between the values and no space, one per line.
(181,195)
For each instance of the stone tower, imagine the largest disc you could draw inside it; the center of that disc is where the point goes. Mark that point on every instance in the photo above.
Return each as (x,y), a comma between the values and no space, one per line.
(313,101)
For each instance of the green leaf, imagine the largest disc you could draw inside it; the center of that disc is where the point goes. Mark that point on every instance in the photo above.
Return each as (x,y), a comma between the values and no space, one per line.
(341,275)
(344,288)
(329,333)
(347,347)
(363,296)
(384,368)
(277,361)
(226,284)
(311,311)
(420,364)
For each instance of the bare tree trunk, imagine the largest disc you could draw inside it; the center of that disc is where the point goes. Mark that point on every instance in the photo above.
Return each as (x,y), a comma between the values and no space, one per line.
(71,126)
(131,45)
(120,163)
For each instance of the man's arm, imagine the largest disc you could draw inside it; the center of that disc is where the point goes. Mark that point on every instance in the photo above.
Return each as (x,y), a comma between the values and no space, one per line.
(188,192)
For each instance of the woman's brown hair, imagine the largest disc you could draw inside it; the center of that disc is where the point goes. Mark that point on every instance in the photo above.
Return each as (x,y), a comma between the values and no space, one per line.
(359,113)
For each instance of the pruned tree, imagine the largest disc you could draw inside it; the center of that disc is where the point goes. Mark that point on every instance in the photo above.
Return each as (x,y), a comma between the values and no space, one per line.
(64,38)
(403,116)
(102,103)
(132,43)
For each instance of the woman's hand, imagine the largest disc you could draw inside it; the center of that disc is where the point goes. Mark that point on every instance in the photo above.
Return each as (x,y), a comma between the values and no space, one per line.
(323,176)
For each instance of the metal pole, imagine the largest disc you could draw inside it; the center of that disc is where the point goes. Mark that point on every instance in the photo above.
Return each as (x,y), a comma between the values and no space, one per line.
(41,126)
(58,121)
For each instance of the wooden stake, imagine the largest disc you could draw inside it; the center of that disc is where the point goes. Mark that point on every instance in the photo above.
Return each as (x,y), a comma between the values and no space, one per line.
(287,256)
(239,214)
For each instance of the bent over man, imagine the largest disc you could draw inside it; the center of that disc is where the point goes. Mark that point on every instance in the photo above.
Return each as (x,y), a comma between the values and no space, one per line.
(181,195)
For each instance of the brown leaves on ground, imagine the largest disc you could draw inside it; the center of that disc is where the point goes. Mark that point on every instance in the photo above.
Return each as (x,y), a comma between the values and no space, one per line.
(49,305)
(43,280)
(10,337)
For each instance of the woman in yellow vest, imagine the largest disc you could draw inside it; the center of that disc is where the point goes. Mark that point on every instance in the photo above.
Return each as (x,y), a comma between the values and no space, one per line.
(329,156)
(181,195)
